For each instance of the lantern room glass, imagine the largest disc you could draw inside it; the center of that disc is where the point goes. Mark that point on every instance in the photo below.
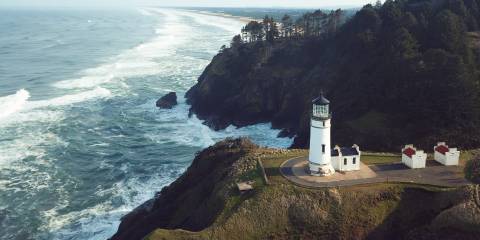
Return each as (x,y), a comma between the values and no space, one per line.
(320,111)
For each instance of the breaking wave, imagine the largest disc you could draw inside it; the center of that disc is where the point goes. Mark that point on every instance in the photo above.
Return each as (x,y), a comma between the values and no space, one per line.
(13,103)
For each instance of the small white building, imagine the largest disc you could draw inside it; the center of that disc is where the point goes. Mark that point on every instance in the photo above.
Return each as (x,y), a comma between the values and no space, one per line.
(445,155)
(413,158)
(346,159)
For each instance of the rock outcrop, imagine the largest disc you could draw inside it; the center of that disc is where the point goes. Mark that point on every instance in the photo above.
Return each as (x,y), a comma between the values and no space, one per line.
(194,200)
(168,101)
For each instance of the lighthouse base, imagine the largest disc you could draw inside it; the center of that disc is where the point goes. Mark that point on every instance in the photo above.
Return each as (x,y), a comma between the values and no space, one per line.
(321,170)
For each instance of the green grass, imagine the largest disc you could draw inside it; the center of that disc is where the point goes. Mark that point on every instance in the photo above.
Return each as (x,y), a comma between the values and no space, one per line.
(374,159)
(178,234)
(272,163)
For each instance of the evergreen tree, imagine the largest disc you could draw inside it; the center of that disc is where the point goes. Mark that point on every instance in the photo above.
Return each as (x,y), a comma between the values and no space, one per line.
(458,7)
(287,26)
(404,46)
(236,41)
(448,32)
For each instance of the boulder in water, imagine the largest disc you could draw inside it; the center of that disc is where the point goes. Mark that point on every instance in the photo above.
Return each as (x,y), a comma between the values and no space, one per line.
(168,101)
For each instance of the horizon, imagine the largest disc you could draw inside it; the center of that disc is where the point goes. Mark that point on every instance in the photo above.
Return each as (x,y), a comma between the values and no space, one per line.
(269,4)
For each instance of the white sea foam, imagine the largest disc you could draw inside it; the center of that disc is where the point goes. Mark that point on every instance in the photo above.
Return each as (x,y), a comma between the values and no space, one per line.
(232,26)
(26,144)
(138,61)
(16,108)
(96,222)
(96,93)
(13,103)
(190,131)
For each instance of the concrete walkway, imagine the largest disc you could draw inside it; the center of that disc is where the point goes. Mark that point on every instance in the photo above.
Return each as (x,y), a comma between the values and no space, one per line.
(296,170)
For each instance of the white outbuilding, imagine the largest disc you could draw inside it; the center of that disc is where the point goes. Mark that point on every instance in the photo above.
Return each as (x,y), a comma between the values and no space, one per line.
(413,158)
(346,159)
(445,155)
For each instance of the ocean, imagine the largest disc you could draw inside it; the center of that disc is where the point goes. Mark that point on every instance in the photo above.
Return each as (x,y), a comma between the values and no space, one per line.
(81,141)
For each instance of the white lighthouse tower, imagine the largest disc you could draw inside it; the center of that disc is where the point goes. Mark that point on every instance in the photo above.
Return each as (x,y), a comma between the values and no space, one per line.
(320,152)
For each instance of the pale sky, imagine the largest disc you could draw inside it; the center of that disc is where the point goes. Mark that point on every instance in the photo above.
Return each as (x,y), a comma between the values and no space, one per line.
(188,3)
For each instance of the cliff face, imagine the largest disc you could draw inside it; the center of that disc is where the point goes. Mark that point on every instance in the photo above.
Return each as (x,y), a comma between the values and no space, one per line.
(403,73)
(204,204)
(194,200)
(258,83)
(247,86)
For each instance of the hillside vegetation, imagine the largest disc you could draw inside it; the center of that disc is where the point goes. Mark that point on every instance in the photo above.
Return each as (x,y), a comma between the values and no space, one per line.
(205,204)
(403,72)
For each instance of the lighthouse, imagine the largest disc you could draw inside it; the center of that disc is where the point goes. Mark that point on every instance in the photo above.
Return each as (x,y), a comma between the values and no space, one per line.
(320,156)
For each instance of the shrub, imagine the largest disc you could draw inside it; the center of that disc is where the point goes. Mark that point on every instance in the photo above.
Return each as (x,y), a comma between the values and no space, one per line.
(472,170)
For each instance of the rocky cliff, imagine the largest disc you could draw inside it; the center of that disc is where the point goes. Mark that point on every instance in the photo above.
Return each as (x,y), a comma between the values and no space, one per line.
(205,204)
(406,72)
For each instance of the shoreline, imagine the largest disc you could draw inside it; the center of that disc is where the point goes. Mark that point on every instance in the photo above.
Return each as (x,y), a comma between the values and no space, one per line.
(243,19)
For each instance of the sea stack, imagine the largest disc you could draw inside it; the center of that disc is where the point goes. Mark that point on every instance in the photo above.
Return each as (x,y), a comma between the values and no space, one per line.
(168,101)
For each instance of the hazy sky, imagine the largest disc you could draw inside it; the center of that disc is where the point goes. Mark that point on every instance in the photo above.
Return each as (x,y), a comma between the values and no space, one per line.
(195,3)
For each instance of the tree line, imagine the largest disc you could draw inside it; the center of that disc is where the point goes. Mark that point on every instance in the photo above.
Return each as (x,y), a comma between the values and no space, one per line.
(311,24)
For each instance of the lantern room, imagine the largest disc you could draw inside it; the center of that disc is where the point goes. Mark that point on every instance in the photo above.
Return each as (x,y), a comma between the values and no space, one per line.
(321,107)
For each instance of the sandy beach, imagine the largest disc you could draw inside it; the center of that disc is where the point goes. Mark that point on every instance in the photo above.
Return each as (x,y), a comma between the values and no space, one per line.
(225,15)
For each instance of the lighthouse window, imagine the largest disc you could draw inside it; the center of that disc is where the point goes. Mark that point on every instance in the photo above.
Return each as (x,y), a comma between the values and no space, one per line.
(323,123)
(323,148)
(354,160)
(345,161)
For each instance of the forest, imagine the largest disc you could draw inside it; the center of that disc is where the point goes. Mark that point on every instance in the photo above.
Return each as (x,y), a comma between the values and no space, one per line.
(405,71)
(311,24)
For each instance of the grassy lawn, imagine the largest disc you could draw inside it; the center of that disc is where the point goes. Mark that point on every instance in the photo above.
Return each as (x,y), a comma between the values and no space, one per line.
(272,163)
(376,159)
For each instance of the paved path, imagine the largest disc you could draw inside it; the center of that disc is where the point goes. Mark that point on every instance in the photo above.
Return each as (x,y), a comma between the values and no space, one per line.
(296,170)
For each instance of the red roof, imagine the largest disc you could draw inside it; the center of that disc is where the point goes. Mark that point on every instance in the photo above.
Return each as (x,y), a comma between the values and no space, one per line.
(409,152)
(442,149)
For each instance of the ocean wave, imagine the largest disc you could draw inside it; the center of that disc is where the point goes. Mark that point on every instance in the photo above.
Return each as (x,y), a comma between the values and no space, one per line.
(232,26)
(96,93)
(29,144)
(180,129)
(96,222)
(138,61)
(13,103)
(18,110)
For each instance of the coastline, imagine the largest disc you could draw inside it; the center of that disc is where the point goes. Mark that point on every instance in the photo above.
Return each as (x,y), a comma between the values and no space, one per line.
(243,19)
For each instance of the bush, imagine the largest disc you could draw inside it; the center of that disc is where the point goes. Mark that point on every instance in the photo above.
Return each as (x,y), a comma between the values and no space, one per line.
(472,170)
